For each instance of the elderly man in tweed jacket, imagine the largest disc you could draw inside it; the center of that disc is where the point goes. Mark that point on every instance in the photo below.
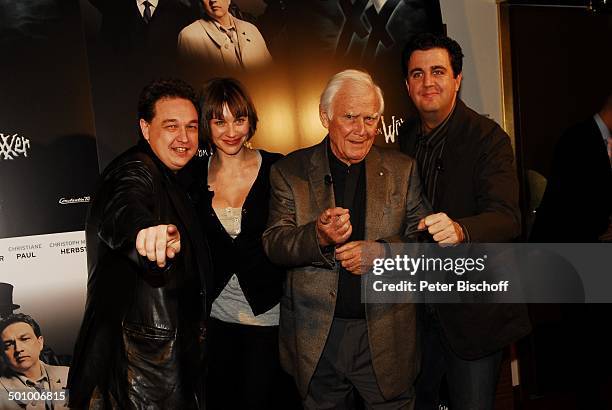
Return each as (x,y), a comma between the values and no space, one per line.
(329,204)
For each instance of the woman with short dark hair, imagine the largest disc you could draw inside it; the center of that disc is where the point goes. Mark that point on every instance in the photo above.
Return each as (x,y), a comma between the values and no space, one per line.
(244,370)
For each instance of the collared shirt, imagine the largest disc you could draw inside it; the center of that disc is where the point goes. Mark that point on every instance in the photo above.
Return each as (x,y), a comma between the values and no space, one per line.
(232,33)
(39,385)
(603,128)
(141,6)
(605,133)
(349,183)
(429,150)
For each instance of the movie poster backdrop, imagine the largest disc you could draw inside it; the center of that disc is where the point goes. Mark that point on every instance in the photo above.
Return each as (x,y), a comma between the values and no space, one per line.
(48,164)
(308,41)
(70,76)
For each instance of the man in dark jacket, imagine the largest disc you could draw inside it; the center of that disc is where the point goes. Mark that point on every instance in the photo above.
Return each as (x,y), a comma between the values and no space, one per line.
(140,341)
(467,171)
(584,188)
(148,27)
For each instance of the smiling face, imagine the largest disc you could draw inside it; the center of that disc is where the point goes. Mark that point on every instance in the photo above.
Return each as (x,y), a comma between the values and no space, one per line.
(352,128)
(229,134)
(22,348)
(216,9)
(431,84)
(173,132)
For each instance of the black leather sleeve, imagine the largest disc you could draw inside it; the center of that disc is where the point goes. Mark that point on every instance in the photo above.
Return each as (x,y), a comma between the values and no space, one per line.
(129,207)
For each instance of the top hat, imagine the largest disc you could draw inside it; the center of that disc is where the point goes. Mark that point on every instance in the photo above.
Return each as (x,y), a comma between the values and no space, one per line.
(6,299)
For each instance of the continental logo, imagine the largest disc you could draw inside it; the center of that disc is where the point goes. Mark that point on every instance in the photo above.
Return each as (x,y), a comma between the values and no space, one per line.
(70,201)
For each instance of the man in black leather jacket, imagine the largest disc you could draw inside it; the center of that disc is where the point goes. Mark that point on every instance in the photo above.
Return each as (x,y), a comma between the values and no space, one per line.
(140,342)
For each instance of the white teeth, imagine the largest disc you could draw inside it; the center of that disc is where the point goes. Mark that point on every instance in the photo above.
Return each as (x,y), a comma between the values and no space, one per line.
(180,149)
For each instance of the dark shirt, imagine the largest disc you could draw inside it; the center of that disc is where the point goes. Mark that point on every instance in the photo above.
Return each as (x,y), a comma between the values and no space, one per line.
(349,184)
(429,149)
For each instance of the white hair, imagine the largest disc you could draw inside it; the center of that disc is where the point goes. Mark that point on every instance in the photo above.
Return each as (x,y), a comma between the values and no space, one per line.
(361,78)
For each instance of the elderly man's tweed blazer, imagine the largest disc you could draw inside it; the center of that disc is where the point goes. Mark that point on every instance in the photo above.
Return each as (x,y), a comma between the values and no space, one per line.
(300,191)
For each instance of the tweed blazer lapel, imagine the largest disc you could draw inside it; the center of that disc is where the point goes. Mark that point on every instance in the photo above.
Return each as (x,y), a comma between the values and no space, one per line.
(317,173)
(376,186)
(376,193)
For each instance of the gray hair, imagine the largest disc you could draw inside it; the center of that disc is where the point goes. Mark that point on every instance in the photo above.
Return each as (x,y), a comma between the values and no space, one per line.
(339,80)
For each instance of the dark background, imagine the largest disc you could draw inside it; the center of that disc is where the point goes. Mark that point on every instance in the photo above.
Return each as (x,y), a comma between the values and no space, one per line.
(45,93)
